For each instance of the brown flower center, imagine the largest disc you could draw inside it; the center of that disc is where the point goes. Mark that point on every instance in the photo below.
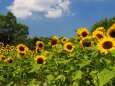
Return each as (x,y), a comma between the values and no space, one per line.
(84,34)
(40,45)
(21,48)
(112,33)
(53,41)
(86,44)
(107,45)
(99,36)
(69,47)
(10,61)
(40,60)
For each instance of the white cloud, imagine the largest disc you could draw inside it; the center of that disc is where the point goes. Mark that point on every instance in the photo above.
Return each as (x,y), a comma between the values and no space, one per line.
(50,8)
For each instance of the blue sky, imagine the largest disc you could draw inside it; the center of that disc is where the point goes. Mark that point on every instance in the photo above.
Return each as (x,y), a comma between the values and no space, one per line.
(58,17)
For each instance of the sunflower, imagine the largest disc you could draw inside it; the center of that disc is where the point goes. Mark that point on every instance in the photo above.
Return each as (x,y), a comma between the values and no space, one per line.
(101,29)
(39,45)
(82,32)
(98,34)
(64,40)
(40,59)
(2,51)
(2,57)
(111,31)
(85,42)
(68,46)
(106,44)
(54,41)
(8,60)
(1,44)
(12,47)
(21,48)
(23,54)
(7,46)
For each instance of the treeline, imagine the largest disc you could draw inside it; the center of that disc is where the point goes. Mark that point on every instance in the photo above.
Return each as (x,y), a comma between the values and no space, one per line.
(12,32)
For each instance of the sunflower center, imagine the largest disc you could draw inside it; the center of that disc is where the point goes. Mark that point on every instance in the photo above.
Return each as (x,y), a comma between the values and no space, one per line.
(112,33)
(64,40)
(107,45)
(40,45)
(40,60)
(69,47)
(84,34)
(99,36)
(86,44)
(21,48)
(10,61)
(53,41)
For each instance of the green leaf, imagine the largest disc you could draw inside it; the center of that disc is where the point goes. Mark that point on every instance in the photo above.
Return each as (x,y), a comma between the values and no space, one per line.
(50,77)
(83,63)
(105,76)
(78,75)
(31,83)
(112,52)
(62,77)
(64,61)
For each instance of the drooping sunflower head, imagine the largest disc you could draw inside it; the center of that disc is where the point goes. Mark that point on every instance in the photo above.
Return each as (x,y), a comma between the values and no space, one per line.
(64,40)
(106,44)
(39,45)
(85,42)
(54,41)
(8,60)
(82,32)
(21,48)
(68,46)
(40,59)
(111,31)
(1,44)
(101,29)
(98,34)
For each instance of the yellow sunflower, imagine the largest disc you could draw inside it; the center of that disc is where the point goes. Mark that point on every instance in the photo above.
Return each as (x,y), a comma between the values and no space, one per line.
(2,57)
(111,31)
(40,59)
(82,32)
(101,29)
(7,46)
(21,48)
(1,44)
(68,46)
(12,47)
(64,40)
(98,34)
(54,41)
(8,60)
(39,45)
(23,54)
(85,42)
(106,44)
(2,51)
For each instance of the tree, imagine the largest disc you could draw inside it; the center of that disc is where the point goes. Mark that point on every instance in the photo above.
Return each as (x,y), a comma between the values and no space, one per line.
(11,30)
(106,23)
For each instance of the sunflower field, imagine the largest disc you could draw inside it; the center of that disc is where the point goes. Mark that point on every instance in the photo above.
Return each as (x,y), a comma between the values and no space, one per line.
(87,59)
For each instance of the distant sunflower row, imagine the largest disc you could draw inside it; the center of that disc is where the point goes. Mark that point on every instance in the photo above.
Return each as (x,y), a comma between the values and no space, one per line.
(102,39)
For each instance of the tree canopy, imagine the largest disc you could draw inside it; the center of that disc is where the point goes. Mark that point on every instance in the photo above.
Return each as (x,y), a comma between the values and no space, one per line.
(11,30)
(106,23)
